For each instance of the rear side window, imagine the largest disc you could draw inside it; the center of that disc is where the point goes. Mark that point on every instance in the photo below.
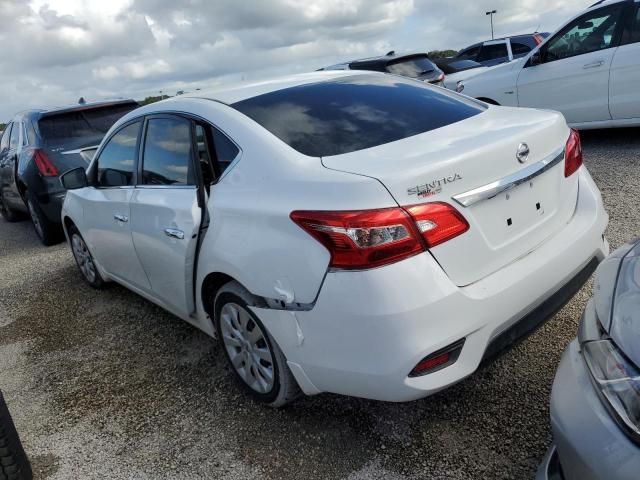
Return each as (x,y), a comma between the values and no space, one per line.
(4,143)
(167,158)
(82,123)
(14,140)
(117,159)
(349,114)
(215,152)
(493,52)
(413,67)
(226,150)
(518,48)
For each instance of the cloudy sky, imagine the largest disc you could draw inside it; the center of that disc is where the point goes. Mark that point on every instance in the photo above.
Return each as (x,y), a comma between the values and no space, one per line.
(54,51)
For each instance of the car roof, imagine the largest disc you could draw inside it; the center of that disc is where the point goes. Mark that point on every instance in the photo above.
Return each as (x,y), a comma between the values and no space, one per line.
(237,92)
(40,112)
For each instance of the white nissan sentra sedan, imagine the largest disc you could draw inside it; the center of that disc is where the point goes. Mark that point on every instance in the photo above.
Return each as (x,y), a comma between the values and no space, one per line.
(357,233)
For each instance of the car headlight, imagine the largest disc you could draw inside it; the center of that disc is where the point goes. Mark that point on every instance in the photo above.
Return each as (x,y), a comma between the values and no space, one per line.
(459,86)
(617,380)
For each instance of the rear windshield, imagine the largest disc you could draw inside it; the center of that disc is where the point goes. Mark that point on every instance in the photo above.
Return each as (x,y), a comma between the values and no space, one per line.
(89,122)
(349,114)
(413,67)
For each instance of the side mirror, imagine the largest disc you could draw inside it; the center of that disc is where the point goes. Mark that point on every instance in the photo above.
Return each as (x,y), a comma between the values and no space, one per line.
(74,179)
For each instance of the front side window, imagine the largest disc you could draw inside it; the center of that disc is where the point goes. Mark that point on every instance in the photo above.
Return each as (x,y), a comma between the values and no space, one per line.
(413,67)
(344,115)
(167,158)
(589,33)
(469,53)
(15,136)
(493,52)
(116,163)
(4,143)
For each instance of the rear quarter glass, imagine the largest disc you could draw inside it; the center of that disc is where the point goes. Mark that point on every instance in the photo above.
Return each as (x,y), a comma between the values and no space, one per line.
(349,114)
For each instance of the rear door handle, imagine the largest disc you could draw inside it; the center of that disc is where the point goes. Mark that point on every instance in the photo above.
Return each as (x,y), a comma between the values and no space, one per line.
(121,218)
(174,233)
(595,64)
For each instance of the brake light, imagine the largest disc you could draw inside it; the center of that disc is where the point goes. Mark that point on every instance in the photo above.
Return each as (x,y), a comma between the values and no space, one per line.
(437,222)
(371,238)
(44,165)
(537,39)
(572,153)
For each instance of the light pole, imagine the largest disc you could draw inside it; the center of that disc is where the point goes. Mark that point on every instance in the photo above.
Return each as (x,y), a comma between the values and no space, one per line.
(491,13)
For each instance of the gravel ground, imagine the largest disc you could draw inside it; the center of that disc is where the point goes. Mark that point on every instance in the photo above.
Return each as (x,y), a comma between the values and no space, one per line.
(106,385)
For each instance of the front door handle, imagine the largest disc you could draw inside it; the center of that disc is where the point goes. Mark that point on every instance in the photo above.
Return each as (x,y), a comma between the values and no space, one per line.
(595,64)
(174,233)
(121,218)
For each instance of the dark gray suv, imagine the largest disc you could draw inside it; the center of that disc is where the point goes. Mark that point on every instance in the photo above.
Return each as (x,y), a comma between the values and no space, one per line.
(37,146)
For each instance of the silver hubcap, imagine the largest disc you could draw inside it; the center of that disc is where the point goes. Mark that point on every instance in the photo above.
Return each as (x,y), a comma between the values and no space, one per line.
(34,218)
(83,257)
(247,347)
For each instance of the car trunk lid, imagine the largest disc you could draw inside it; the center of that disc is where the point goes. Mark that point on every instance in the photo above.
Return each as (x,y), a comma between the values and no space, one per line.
(479,153)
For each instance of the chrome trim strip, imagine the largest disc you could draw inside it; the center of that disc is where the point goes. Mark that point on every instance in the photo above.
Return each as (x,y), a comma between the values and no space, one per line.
(495,188)
(80,150)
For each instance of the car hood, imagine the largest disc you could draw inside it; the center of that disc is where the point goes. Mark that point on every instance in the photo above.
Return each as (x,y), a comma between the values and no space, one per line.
(617,298)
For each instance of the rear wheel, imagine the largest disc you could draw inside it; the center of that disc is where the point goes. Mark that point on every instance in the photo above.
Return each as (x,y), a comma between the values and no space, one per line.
(14,464)
(48,232)
(7,213)
(84,259)
(254,356)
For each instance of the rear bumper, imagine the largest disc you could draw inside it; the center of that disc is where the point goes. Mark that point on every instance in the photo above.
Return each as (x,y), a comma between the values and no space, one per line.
(369,329)
(589,443)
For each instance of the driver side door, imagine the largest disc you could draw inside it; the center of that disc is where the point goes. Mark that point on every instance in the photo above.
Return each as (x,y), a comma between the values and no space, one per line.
(574,74)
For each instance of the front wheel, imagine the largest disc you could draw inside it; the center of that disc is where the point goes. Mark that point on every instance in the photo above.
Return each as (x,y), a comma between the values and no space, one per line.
(6,212)
(254,356)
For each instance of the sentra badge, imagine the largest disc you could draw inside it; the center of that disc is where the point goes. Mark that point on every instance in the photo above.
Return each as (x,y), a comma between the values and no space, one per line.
(434,187)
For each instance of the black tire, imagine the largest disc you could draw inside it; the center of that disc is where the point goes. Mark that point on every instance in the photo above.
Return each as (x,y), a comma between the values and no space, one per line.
(14,464)
(96,281)
(285,389)
(6,212)
(48,232)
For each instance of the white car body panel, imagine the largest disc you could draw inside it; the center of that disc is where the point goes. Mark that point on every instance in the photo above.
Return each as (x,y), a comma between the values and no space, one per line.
(577,86)
(451,80)
(592,90)
(357,332)
(624,98)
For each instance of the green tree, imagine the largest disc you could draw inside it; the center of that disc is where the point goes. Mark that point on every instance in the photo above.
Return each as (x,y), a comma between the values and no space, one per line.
(442,53)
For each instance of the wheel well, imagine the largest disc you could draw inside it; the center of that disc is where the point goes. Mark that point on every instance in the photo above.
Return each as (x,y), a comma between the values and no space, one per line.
(68,223)
(212,283)
(22,188)
(488,100)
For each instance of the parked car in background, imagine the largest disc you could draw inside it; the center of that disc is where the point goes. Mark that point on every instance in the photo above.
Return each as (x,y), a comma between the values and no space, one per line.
(595,401)
(348,232)
(412,65)
(589,70)
(37,146)
(501,50)
(458,70)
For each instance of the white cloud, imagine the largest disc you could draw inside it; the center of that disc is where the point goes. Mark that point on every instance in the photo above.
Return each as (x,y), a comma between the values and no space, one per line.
(55,51)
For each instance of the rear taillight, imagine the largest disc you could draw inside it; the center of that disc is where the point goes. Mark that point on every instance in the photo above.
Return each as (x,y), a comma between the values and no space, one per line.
(44,165)
(537,39)
(371,238)
(572,153)
(437,222)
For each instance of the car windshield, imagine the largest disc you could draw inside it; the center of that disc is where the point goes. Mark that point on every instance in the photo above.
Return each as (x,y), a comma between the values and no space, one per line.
(413,67)
(81,123)
(349,114)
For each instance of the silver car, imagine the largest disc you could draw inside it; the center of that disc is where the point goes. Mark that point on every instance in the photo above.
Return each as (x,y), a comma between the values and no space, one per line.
(595,401)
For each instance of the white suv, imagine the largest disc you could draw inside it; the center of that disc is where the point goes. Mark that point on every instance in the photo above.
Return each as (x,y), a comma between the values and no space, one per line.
(589,70)
(348,232)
